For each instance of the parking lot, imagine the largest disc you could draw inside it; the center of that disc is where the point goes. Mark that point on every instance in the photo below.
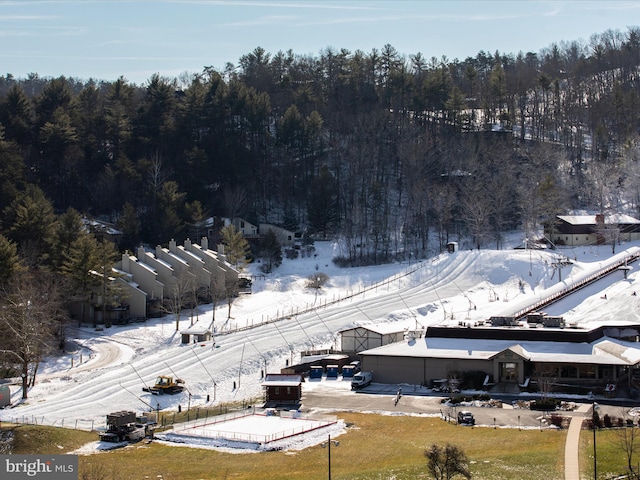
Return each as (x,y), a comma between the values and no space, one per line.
(337,395)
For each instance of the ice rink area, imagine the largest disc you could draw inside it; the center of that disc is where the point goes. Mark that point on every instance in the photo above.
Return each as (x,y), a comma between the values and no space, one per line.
(253,428)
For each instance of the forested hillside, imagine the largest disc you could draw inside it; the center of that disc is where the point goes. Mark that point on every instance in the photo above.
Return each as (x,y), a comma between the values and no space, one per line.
(378,148)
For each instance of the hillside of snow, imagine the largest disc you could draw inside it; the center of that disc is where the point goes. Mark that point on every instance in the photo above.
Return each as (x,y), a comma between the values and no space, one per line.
(104,371)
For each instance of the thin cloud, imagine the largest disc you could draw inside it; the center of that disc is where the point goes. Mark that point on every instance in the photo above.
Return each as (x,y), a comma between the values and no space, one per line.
(269,20)
(266,4)
(11,18)
(34,31)
(99,58)
(553,12)
(412,18)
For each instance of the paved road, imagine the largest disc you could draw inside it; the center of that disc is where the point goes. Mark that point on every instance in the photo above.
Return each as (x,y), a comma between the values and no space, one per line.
(382,398)
(377,398)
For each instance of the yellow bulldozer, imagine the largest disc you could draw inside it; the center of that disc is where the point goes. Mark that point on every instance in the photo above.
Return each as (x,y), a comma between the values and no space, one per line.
(165,384)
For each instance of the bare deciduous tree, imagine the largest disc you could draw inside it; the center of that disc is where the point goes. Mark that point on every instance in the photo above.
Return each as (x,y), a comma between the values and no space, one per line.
(628,439)
(235,201)
(446,462)
(546,381)
(31,323)
(180,292)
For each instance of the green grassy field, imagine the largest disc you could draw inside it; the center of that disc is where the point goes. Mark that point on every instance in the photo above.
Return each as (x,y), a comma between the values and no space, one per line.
(34,439)
(610,456)
(375,447)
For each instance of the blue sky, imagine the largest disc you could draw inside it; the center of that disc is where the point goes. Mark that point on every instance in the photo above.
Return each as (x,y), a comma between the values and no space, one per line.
(104,39)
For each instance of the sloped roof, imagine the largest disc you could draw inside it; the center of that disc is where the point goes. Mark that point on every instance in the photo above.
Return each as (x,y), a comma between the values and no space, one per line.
(618,218)
(282,380)
(604,351)
(385,328)
(195,329)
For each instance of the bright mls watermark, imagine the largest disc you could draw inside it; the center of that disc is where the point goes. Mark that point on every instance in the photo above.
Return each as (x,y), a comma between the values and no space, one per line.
(51,467)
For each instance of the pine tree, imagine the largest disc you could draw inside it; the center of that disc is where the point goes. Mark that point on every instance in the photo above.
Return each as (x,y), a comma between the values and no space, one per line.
(236,247)
(68,228)
(323,203)
(30,219)
(80,265)
(271,252)
(9,260)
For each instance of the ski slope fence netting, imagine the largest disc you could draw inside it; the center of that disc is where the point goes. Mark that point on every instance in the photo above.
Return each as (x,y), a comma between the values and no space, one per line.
(75,424)
(233,327)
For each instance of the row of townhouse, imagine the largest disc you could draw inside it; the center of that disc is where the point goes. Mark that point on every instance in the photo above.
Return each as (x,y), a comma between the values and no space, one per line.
(147,281)
(150,277)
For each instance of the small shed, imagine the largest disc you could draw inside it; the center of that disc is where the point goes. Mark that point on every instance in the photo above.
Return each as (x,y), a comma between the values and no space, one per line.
(316,371)
(195,333)
(282,390)
(5,396)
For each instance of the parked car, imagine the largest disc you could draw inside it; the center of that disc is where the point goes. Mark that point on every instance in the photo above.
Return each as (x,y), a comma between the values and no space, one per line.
(465,417)
(244,285)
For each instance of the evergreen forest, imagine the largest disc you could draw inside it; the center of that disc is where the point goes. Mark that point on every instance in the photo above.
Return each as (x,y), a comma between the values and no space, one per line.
(391,153)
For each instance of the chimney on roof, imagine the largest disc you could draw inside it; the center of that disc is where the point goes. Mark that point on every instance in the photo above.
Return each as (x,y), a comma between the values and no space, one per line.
(600,218)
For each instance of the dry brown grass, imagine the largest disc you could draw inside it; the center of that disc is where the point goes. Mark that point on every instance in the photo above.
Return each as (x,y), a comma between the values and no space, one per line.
(375,447)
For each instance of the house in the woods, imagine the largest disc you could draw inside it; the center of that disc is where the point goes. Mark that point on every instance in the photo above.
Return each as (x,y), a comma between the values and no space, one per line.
(580,230)
(250,232)
(286,238)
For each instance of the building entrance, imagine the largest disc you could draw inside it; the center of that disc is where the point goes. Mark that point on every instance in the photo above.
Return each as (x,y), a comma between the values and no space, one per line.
(509,372)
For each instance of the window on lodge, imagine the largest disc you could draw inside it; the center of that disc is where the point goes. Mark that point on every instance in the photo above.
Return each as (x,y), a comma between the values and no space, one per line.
(547,371)
(605,373)
(568,371)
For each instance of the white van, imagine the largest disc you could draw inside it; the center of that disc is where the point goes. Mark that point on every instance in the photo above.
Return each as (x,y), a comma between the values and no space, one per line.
(361,380)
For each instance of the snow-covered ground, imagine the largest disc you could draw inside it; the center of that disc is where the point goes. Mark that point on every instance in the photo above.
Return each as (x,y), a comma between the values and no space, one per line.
(107,370)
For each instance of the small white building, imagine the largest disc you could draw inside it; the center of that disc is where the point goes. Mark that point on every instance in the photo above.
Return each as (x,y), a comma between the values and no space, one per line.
(196,333)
